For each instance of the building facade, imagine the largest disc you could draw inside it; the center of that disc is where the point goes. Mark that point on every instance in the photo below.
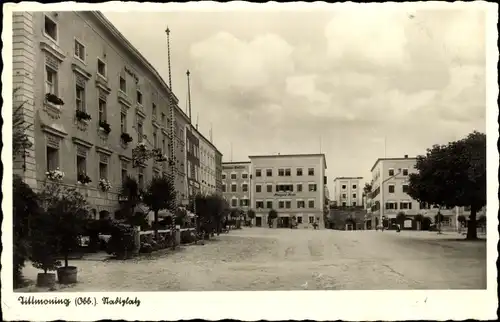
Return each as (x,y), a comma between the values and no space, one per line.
(193,161)
(218,172)
(236,184)
(207,166)
(293,185)
(91,97)
(348,191)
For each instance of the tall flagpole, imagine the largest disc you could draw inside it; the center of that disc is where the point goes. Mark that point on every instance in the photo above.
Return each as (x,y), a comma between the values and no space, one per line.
(168,51)
(189,94)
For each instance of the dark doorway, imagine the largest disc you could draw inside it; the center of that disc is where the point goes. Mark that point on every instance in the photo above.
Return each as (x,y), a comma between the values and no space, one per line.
(284,222)
(103,214)
(258,221)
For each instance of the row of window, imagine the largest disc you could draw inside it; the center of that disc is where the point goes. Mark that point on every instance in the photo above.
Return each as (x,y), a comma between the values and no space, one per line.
(300,220)
(353,204)
(269,173)
(53,163)
(284,172)
(269,187)
(391,172)
(234,176)
(354,187)
(283,204)
(354,196)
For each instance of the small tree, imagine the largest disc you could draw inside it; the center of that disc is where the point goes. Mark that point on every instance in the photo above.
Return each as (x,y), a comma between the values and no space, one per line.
(251,215)
(130,196)
(159,195)
(367,189)
(453,175)
(273,214)
(69,211)
(44,243)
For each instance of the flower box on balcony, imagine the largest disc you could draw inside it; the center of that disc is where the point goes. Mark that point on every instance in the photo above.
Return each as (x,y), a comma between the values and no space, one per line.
(55,175)
(54,99)
(83,116)
(104,184)
(83,178)
(126,138)
(105,126)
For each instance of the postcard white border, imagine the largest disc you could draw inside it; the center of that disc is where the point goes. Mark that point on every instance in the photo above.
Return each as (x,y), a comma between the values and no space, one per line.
(313,305)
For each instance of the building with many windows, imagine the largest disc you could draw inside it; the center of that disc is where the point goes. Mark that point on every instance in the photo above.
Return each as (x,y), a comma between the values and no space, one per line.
(293,185)
(218,172)
(91,97)
(236,183)
(207,165)
(193,160)
(348,191)
(389,195)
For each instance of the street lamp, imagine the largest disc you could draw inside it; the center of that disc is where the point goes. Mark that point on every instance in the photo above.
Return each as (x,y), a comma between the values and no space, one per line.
(382,203)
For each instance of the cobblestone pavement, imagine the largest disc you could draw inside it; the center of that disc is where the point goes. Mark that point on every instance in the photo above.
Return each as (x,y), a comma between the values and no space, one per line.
(283,259)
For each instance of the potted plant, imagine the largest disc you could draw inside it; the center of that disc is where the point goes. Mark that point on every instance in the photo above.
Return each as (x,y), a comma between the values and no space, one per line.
(71,214)
(104,184)
(44,249)
(126,138)
(65,215)
(82,115)
(83,178)
(105,127)
(54,99)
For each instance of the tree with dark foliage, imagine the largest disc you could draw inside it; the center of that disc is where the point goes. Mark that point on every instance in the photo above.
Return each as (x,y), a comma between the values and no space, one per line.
(453,175)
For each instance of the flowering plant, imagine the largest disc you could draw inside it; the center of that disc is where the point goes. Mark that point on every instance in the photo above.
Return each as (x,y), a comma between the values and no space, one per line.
(104,184)
(83,178)
(55,175)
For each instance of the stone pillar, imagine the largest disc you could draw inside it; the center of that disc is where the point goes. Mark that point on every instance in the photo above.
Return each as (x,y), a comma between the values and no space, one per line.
(177,235)
(137,239)
(23,73)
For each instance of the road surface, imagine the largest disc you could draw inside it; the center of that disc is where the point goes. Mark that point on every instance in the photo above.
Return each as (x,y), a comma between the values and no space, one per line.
(284,259)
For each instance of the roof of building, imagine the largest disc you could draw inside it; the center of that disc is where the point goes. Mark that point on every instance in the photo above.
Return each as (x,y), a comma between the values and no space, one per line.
(205,139)
(391,159)
(135,52)
(231,163)
(340,178)
(290,155)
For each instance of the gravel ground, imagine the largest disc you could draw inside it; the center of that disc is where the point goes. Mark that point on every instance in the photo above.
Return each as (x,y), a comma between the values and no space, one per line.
(283,259)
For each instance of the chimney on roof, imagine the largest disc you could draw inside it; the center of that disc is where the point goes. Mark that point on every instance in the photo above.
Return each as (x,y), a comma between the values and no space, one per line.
(406,156)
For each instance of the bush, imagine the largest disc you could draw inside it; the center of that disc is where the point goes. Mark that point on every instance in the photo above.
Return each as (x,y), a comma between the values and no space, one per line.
(25,203)
(44,243)
(188,237)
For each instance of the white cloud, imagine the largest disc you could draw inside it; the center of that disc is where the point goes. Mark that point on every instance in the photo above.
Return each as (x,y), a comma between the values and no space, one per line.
(225,62)
(371,35)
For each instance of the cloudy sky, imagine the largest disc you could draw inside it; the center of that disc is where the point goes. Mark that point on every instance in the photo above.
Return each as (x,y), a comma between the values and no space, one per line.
(331,81)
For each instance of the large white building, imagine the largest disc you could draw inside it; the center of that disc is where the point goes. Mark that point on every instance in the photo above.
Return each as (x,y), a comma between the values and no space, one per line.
(348,191)
(389,194)
(293,185)
(236,184)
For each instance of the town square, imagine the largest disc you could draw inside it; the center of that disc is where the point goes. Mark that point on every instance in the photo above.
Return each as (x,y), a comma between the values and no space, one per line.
(249,150)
